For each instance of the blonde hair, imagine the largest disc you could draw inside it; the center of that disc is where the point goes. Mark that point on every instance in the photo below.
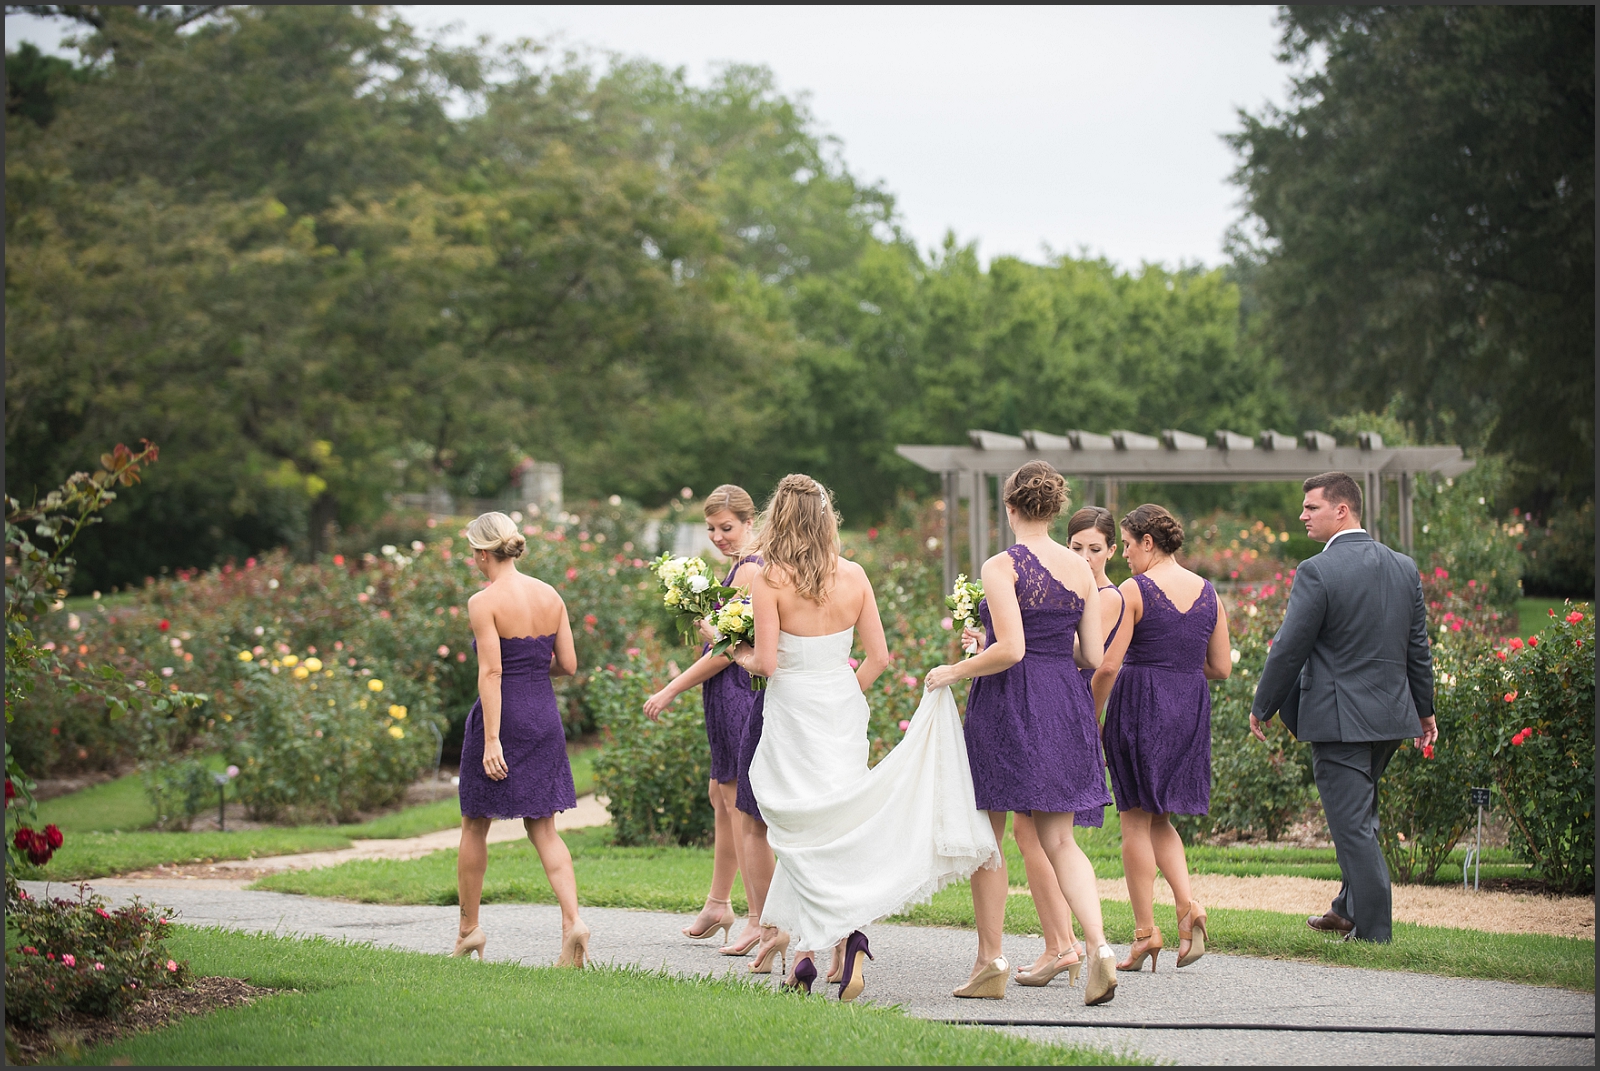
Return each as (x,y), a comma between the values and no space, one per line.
(800,535)
(497,534)
(734,499)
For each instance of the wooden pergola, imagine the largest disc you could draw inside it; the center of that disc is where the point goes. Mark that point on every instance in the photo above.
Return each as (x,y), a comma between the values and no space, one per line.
(1105,462)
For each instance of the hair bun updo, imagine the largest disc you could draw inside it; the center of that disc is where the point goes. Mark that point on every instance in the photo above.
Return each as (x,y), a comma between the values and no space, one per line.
(1036,491)
(1154,521)
(497,534)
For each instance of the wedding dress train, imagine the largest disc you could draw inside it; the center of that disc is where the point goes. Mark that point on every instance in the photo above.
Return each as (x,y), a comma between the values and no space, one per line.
(856,844)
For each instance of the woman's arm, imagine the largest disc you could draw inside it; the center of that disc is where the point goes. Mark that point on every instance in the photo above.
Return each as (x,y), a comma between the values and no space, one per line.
(1089,650)
(873,644)
(563,656)
(488,637)
(764,609)
(1219,652)
(1000,590)
(1106,674)
(706,666)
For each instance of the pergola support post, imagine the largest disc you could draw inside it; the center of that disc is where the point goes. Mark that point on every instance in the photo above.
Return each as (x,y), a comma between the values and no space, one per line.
(978,519)
(1407,517)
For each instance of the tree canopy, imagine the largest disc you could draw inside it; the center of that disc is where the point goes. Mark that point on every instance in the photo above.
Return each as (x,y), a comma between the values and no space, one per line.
(320,259)
(1422,227)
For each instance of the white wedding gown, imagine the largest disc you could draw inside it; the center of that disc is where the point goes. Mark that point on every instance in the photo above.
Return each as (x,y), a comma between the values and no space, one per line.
(856,844)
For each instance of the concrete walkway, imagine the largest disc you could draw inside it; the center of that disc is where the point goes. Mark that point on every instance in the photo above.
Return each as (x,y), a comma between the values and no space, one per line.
(917,966)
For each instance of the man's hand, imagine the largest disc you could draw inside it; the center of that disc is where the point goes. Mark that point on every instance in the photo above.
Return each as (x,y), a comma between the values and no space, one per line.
(1430,733)
(1257,728)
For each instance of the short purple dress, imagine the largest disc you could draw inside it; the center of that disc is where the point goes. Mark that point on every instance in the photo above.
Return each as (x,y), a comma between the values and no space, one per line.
(728,700)
(1030,730)
(1088,674)
(539,781)
(744,795)
(1158,719)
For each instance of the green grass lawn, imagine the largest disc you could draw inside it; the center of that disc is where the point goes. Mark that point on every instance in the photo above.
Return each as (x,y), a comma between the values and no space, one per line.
(106,834)
(674,879)
(353,1004)
(1534,614)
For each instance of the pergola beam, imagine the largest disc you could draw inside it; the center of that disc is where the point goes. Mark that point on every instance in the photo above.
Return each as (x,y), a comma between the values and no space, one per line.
(1176,458)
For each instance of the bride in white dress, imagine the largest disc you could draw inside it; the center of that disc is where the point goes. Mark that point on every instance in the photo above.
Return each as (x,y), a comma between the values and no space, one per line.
(853,844)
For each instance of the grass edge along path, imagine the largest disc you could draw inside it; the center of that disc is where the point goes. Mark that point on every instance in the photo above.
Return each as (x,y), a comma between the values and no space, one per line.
(102,849)
(673,879)
(355,1004)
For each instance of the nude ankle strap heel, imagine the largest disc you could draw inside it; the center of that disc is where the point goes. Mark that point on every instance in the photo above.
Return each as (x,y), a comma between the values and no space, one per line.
(1147,944)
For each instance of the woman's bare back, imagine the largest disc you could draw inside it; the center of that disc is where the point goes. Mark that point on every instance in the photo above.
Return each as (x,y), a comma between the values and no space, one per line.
(848,595)
(522,606)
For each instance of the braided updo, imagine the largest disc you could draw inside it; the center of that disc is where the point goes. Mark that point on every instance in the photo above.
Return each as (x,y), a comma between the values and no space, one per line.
(497,534)
(1036,491)
(1153,521)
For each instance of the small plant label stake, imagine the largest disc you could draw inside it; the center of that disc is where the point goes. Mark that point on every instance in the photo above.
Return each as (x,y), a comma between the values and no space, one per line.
(1479,798)
(222,796)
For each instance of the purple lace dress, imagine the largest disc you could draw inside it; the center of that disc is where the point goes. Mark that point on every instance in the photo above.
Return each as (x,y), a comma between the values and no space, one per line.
(1158,719)
(728,700)
(1088,674)
(540,776)
(1031,734)
(744,795)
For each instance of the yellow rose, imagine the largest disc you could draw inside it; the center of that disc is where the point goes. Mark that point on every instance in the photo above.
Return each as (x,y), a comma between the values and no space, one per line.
(374,685)
(396,710)
(246,656)
(397,732)
(314,665)
(289,659)
(301,673)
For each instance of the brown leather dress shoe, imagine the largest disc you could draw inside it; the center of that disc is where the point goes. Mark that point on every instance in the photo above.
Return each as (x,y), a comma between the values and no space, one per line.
(1331,923)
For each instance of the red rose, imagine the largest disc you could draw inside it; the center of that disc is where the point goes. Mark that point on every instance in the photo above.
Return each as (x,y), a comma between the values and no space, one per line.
(23,838)
(1533,641)
(52,834)
(1427,751)
(1516,741)
(1511,697)
(1572,618)
(39,850)
(163,624)
(1501,655)
(1515,643)
(11,790)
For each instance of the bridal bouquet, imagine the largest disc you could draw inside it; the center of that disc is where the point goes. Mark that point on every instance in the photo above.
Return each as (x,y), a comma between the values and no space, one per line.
(690,590)
(735,624)
(963,603)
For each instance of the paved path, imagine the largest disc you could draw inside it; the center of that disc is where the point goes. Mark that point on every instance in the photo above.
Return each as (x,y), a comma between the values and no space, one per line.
(917,966)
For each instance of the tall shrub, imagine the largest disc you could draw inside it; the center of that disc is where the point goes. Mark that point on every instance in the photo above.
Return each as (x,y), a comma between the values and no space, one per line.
(653,774)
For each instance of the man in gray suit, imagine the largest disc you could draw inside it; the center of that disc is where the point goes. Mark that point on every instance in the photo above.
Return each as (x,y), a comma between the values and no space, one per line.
(1351,674)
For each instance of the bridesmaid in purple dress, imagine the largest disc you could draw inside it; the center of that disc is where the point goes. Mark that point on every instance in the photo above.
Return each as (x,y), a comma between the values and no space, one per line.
(1030,727)
(1091,535)
(514,754)
(1154,684)
(730,522)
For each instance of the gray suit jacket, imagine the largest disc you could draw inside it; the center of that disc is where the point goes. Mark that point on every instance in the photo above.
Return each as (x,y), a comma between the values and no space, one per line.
(1351,662)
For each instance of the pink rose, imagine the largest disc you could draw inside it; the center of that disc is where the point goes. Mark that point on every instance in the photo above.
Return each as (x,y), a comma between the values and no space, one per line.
(70,960)
(172,966)
(947,623)
(904,725)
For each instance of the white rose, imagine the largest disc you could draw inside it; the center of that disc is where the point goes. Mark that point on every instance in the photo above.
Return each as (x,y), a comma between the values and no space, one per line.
(698,583)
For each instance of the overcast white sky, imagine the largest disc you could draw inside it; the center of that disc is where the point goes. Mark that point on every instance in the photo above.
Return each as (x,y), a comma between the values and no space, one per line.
(1087,128)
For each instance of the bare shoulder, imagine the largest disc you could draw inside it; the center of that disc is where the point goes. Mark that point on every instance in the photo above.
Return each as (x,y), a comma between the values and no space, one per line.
(853,574)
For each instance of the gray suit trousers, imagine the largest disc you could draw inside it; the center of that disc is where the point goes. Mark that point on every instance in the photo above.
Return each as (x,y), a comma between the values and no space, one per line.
(1347,777)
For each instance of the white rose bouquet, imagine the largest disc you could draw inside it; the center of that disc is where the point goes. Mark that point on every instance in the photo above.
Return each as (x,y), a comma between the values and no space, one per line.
(963,602)
(735,623)
(690,590)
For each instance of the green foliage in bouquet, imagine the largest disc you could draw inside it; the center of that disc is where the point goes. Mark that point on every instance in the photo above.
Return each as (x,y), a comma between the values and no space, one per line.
(81,955)
(654,774)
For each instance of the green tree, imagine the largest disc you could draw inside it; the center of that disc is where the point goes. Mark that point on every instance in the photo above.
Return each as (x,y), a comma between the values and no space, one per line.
(1422,226)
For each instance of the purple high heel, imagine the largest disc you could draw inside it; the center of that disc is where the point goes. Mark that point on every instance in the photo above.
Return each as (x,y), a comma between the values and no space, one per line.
(805,972)
(854,979)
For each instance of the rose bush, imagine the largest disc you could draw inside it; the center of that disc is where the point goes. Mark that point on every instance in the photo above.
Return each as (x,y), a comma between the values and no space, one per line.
(1531,708)
(653,774)
(82,955)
